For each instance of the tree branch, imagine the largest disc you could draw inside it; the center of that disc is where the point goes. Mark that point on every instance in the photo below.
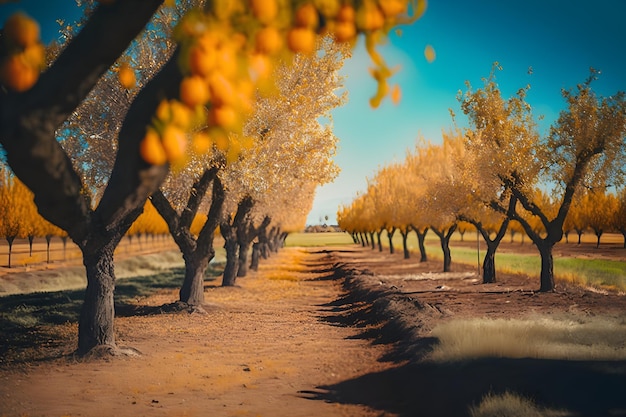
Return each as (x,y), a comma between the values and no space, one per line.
(29,120)
(215,212)
(198,191)
(132,179)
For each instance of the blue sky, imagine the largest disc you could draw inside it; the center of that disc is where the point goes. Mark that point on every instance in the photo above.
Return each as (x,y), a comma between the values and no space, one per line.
(559,39)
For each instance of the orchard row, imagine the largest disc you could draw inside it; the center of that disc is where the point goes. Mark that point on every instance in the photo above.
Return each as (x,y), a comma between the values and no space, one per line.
(212,107)
(500,174)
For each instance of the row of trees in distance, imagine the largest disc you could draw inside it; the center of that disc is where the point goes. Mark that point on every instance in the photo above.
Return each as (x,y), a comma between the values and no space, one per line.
(192,74)
(500,173)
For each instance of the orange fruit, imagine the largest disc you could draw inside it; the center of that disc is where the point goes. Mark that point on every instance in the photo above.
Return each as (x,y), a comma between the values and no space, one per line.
(201,142)
(21,29)
(174,143)
(369,17)
(151,149)
(328,8)
(301,40)
(194,91)
(392,8)
(127,77)
(221,140)
(35,55)
(261,65)
(306,16)
(429,53)
(17,74)
(396,94)
(345,31)
(224,116)
(264,10)
(163,111)
(222,90)
(227,62)
(181,114)
(268,40)
(203,57)
(346,13)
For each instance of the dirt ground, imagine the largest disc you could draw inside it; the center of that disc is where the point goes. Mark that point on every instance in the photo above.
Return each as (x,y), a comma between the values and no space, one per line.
(336,331)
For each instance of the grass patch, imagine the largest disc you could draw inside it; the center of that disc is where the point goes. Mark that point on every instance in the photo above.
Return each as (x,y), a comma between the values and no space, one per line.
(570,337)
(510,404)
(24,318)
(318,239)
(601,273)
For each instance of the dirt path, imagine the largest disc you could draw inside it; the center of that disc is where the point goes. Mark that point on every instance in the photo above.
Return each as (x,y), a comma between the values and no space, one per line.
(263,349)
(291,341)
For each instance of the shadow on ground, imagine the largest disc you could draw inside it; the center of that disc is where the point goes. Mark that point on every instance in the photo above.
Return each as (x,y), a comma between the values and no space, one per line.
(450,389)
(27,321)
(416,386)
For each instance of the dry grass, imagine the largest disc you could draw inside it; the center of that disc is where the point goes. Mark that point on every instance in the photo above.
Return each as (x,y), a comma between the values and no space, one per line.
(570,337)
(510,404)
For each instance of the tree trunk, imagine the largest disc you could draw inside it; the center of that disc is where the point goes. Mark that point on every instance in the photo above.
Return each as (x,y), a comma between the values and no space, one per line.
(405,247)
(242,269)
(196,263)
(48,238)
(30,244)
(95,325)
(256,254)
(444,237)
(390,237)
(10,240)
(624,234)
(447,256)
(380,244)
(547,266)
(64,240)
(421,237)
(489,264)
(232,260)
(580,234)
(197,252)
(372,234)
(598,236)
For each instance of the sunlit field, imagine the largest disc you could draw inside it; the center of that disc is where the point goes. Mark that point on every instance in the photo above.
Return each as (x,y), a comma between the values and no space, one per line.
(567,337)
(602,273)
(318,239)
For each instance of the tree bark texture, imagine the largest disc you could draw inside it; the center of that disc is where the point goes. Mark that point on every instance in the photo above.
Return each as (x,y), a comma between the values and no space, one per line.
(390,234)
(444,237)
(232,255)
(405,247)
(197,253)
(421,237)
(256,254)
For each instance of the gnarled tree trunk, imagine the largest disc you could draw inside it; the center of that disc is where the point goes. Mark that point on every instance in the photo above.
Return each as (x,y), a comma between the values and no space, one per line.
(421,237)
(231,241)
(197,253)
(444,237)
(405,234)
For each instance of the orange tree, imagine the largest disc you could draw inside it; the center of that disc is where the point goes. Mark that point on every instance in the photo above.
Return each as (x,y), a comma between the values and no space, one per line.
(35,106)
(11,211)
(465,192)
(598,212)
(585,145)
(293,146)
(619,216)
(18,215)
